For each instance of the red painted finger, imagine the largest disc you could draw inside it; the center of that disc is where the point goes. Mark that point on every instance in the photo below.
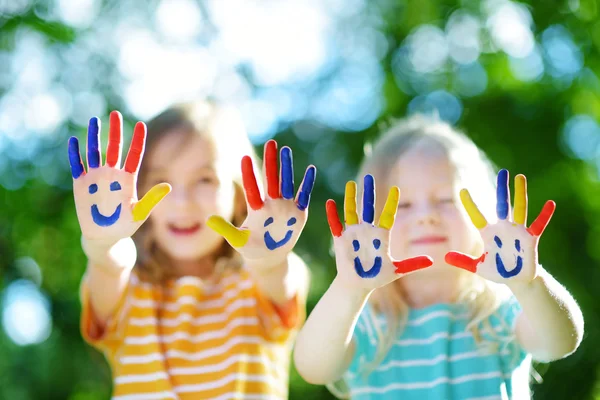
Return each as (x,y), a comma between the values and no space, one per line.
(115,138)
(270,165)
(136,150)
(541,222)
(464,261)
(333,218)
(250,186)
(412,264)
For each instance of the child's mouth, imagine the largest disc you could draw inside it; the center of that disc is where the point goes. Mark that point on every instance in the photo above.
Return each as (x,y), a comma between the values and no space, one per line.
(184,231)
(432,239)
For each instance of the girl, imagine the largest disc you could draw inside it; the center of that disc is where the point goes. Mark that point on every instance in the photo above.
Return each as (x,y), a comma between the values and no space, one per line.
(177,312)
(438,332)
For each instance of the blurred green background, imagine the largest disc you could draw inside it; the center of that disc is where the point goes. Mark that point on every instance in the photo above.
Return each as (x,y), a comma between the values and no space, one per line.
(321,76)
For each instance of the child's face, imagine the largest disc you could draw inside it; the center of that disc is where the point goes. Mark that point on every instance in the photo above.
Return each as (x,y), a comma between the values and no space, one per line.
(430,220)
(189,164)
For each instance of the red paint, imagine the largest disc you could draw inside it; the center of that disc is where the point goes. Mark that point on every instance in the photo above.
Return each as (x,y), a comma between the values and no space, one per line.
(113,150)
(333,218)
(250,185)
(412,264)
(134,157)
(270,160)
(464,261)
(540,223)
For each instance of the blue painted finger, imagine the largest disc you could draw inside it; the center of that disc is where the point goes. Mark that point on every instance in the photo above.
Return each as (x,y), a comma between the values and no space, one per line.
(75,158)
(369,199)
(502,204)
(93,143)
(287,173)
(307,187)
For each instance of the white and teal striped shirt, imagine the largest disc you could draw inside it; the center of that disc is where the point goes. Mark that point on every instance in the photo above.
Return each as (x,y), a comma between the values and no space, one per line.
(437,358)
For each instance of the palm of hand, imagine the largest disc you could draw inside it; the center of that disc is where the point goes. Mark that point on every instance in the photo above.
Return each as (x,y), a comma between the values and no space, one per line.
(510,249)
(273,225)
(105,196)
(362,250)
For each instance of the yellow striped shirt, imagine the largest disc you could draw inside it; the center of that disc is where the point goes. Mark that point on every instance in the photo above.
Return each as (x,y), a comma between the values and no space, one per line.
(191,340)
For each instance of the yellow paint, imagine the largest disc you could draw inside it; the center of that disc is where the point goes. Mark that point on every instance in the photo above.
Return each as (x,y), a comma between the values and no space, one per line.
(143,207)
(386,221)
(520,199)
(350,204)
(236,237)
(476,216)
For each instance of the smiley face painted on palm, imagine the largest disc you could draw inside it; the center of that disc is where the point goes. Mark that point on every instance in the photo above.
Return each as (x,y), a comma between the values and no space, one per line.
(273,244)
(99,218)
(518,263)
(374,270)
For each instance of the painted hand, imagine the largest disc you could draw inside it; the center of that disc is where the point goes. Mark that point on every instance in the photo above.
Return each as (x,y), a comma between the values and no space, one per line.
(362,251)
(273,226)
(105,196)
(510,249)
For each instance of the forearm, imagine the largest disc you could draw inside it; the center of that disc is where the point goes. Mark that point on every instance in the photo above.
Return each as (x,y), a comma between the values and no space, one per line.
(281,280)
(553,322)
(323,348)
(108,271)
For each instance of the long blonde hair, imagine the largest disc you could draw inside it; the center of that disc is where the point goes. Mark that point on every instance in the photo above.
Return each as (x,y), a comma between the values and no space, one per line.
(476,173)
(221,128)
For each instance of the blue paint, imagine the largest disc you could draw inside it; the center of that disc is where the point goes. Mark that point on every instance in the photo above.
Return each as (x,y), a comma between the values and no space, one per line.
(376,243)
(356,244)
(75,158)
(93,188)
(272,244)
(502,194)
(291,221)
(307,187)
(269,221)
(287,174)
(371,273)
(498,241)
(94,143)
(369,199)
(115,186)
(102,220)
(504,272)
(518,244)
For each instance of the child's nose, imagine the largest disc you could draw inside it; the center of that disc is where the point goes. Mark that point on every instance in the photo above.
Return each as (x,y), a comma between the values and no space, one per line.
(180,197)
(427,214)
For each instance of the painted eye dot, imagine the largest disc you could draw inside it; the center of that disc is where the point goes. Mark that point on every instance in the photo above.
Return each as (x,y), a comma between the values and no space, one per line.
(498,241)
(376,243)
(115,186)
(291,221)
(93,188)
(356,245)
(269,221)
(518,245)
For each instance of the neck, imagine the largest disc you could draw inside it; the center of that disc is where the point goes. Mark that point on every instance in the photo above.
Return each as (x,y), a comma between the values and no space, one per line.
(437,284)
(202,268)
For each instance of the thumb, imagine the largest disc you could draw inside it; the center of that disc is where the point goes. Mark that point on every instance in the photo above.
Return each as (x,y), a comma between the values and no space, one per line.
(144,207)
(236,237)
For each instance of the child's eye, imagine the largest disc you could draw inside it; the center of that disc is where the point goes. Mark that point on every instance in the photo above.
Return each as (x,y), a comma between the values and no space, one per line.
(404,204)
(207,180)
(446,200)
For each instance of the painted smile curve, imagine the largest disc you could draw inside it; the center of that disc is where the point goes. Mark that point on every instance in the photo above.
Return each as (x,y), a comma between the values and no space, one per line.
(371,273)
(502,269)
(102,220)
(272,244)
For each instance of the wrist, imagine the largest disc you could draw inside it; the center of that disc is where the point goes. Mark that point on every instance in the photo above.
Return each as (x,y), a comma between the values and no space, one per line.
(266,263)
(116,255)
(355,294)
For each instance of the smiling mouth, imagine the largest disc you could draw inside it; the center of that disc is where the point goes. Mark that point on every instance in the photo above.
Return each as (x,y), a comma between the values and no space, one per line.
(272,244)
(190,230)
(371,273)
(103,220)
(429,240)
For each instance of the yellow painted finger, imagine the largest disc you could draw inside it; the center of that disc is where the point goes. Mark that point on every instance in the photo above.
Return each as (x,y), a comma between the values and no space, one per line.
(476,216)
(386,221)
(143,207)
(520,207)
(236,237)
(350,204)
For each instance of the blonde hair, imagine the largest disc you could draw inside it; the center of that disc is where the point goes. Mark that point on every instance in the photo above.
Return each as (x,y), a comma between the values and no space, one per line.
(476,173)
(221,128)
